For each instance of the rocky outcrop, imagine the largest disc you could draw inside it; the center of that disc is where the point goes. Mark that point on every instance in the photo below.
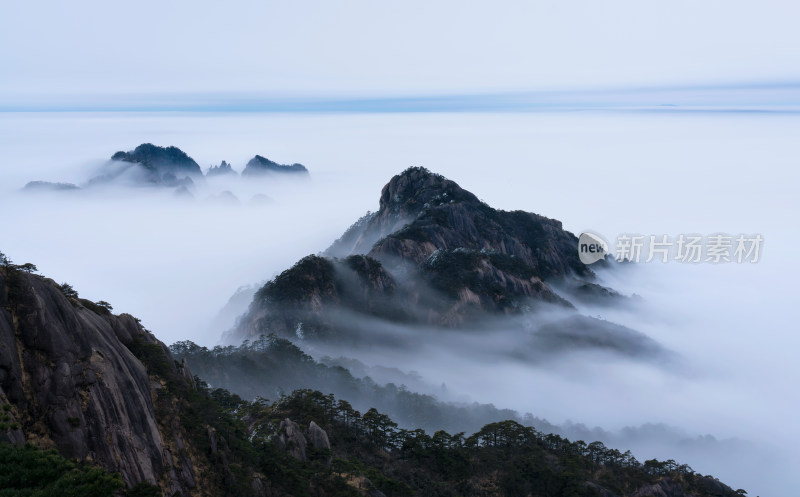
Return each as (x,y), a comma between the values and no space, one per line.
(161,160)
(224,169)
(421,212)
(71,382)
(152,165)
(290,438)
(261,166)
(433,254)
(318,438)
(317,295)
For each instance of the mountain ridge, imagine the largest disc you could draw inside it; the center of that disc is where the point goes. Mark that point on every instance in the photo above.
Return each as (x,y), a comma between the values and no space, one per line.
(432,255)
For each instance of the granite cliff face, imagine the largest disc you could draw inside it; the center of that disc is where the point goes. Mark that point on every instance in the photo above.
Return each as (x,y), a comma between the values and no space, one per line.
(433,255)
(70,375)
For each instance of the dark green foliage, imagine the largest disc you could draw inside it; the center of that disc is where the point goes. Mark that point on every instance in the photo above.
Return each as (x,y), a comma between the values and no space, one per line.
(299,282)
(31,472)
(504,458)
(144,489)
(68,291)
(270,366)
(366,267)
(105,305)
(153,357)
(450,271)
(101,307)
(28,267)
(412,232)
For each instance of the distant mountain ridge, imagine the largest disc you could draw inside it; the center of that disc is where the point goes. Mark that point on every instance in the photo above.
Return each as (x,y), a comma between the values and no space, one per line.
(161,160)
(153,165)
(259,166)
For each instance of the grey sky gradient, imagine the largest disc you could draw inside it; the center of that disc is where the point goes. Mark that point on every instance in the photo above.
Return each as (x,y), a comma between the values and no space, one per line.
(368,48)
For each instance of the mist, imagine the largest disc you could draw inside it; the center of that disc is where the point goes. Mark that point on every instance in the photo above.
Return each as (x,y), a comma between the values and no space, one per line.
(175,263)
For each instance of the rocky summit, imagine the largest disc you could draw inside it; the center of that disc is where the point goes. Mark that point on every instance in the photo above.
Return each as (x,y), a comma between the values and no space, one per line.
(433,255)
(260,166)
(161,165)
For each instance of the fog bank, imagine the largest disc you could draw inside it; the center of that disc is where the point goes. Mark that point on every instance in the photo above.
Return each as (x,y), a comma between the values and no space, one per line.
(175,264)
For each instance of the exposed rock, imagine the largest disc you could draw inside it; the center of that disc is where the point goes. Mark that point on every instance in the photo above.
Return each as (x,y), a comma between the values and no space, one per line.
(212,440)
(421,212)
(432,255)
(318,438)
(259,487)
(149,164)
(162,160)
(187,373)
(663,488)
(290,438)
(74,384)
(314,298)
(260,166)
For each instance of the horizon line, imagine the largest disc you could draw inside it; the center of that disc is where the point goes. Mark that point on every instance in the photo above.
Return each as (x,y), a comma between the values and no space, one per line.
(771,97)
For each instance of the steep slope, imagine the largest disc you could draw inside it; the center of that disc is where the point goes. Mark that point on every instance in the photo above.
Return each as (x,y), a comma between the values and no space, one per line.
(96,387)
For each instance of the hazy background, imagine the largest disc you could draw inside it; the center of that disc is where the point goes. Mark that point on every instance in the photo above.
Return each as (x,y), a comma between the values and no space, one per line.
(357,47)
(650,117)
(175,263)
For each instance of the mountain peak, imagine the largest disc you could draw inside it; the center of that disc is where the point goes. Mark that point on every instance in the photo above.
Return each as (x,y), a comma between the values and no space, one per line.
(153,157)
(258,166)
(433,254)
(416,188)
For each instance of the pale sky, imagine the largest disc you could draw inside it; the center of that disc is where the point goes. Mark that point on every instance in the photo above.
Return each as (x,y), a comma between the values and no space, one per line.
(364,48)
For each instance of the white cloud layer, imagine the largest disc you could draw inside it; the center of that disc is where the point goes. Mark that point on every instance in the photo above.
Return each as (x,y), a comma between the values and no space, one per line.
(174,264)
